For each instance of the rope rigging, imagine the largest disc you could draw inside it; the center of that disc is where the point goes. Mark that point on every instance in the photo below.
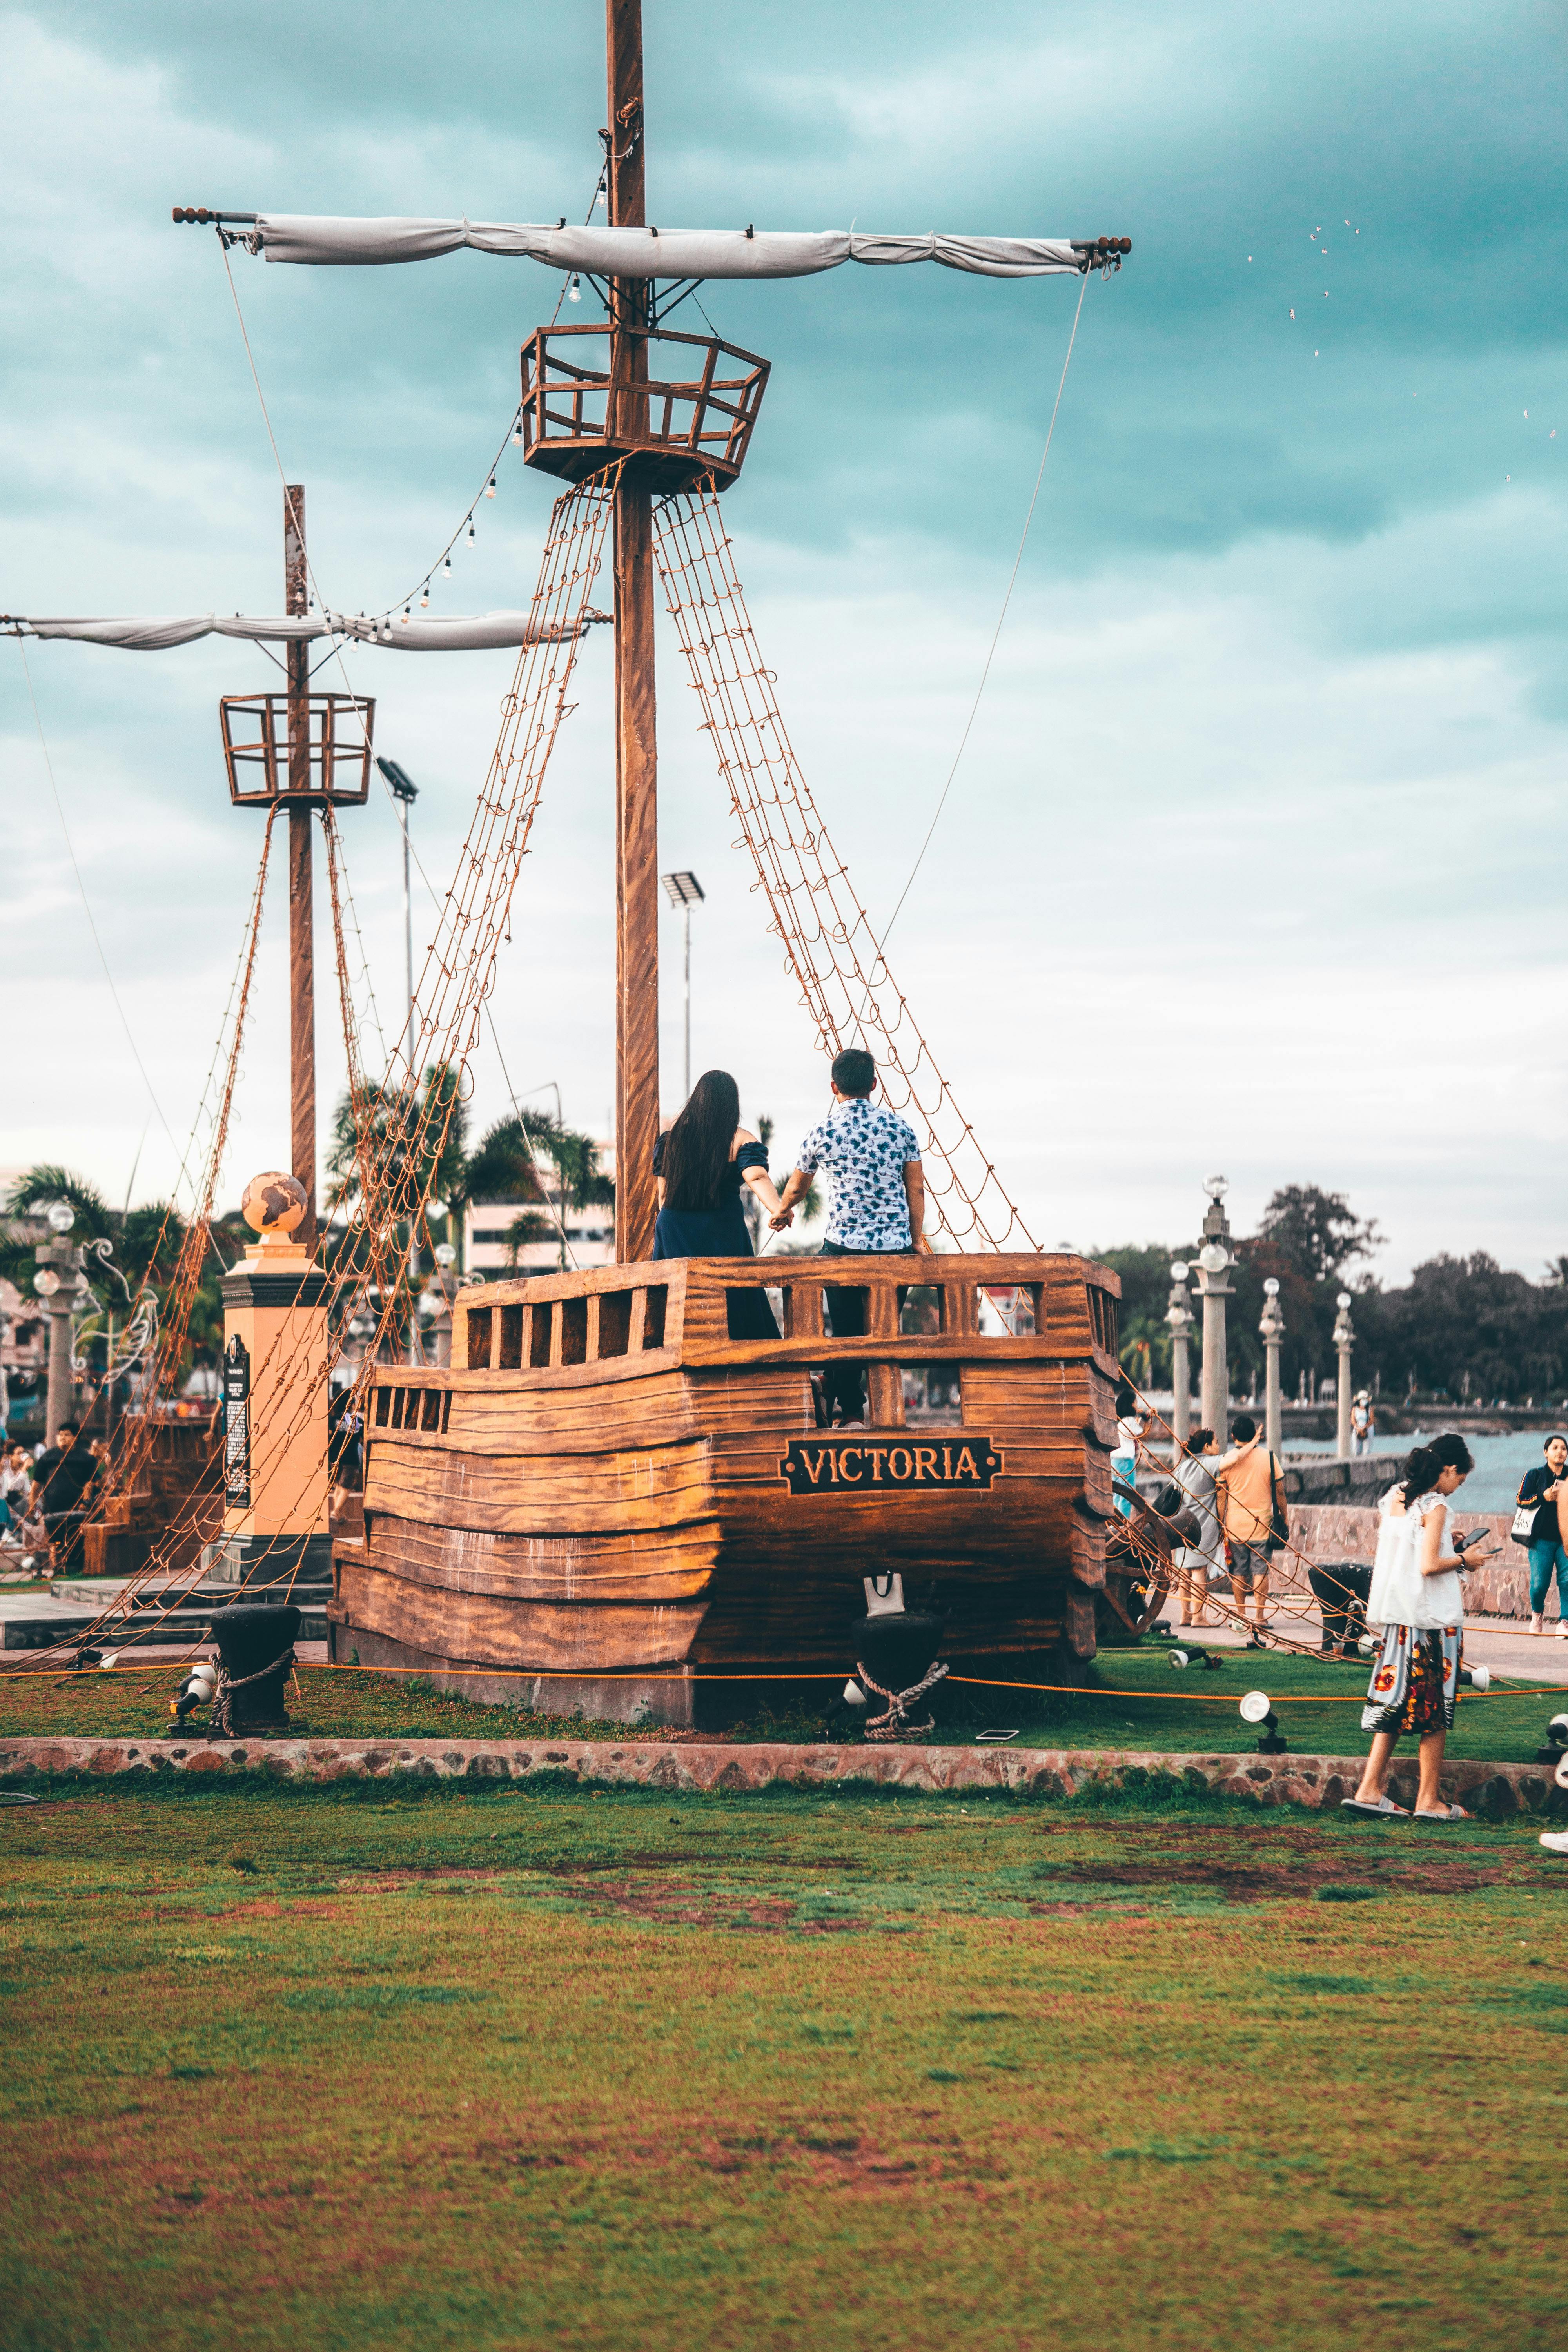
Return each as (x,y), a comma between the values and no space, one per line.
(845,984)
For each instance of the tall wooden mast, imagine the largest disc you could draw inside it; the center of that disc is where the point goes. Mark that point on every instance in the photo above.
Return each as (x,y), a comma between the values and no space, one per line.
(301,919)
(637,755)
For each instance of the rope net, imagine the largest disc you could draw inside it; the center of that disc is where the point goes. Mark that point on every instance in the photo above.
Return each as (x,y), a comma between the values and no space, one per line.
(845,984)
(401,1125)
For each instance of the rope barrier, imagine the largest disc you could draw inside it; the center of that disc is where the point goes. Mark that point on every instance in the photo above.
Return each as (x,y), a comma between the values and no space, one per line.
(968,1682)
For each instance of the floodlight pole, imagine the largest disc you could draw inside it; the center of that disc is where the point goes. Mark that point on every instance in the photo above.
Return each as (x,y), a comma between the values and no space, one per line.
(302,912)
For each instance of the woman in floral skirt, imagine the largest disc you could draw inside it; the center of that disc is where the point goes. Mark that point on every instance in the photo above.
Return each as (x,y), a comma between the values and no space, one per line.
(1415,1598)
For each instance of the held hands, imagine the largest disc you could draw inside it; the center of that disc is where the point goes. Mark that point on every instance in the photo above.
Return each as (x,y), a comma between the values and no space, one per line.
(780,1219)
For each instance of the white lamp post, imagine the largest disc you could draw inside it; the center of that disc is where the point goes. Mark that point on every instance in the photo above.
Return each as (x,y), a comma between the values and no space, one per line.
(1345,1340)
(1273,1329)
(1213,1289)
(685,891)
(1179,1316)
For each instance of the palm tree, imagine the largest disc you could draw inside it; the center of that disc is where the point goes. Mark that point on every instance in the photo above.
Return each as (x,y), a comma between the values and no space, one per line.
(417,1139)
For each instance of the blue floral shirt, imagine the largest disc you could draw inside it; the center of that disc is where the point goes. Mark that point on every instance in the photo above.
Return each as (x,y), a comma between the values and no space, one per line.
(865,1147)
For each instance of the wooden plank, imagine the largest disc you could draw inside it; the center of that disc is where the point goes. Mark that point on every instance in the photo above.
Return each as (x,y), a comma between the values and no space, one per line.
(670,1566)
(542,1493)
(492,1631)
(661,1411)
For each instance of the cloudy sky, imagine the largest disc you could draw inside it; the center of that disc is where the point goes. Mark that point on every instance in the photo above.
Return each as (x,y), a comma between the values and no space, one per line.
(1253,860)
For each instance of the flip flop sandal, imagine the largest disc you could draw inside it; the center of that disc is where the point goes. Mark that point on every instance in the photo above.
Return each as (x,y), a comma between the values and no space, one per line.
(1449,1813)
(1384,1810)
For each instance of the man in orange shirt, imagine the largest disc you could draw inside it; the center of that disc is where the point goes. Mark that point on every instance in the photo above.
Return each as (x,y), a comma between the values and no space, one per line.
(1250,1486)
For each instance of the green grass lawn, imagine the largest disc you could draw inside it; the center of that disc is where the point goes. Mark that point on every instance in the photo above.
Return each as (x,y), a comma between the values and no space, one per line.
(503,2068)
(1141,1701)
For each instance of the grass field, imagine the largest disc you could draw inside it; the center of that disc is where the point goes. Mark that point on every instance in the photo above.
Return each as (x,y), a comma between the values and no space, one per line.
(505,2067)
(1141,1701)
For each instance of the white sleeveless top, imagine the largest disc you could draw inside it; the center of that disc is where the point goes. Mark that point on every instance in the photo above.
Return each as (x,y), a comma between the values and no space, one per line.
(1400,1594)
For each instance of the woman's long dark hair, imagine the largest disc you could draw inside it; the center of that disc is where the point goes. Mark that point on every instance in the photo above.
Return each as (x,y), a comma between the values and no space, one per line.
(697,1148)
(1447,1453)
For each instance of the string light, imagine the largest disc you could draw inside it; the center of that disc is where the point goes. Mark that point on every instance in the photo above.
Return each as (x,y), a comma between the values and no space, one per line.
(602,198)
(516,431)
(470,530)
(446,567)
(425,599)
(490,487)
(575,292)
(407,613)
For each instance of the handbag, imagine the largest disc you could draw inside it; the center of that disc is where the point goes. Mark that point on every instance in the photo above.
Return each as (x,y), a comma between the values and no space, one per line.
(1524,1522)
(1278,1522)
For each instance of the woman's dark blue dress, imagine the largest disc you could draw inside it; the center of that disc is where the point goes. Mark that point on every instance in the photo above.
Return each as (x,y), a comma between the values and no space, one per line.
(720,1232)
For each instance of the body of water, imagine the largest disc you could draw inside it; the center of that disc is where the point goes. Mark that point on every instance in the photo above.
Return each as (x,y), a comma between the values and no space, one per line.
(1493,1485)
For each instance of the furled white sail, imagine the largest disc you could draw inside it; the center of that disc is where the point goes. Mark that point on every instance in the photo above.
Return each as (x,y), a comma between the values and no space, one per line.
(474,635)
(655,252)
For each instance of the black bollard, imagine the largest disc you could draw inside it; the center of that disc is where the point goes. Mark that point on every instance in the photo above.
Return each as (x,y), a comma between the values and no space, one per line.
(897,1649)
(256,1651)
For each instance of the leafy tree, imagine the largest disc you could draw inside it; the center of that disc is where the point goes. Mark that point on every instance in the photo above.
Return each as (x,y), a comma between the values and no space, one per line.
(1317,1231)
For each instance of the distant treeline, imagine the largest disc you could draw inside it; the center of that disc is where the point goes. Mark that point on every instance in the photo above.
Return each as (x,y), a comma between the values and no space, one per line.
(1461,1326)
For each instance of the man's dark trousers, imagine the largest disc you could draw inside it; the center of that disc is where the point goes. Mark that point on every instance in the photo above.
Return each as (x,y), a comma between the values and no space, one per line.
(845,1383)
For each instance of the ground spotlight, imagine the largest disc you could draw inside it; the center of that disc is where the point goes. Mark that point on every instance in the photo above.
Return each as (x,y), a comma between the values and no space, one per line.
(1255,1708)
(1189,1655)
(1478,1677)
(195,1691)
(1556,1747)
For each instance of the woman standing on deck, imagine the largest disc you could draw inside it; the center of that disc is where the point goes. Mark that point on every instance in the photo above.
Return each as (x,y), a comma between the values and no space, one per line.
(701,1165)
(1416,1600)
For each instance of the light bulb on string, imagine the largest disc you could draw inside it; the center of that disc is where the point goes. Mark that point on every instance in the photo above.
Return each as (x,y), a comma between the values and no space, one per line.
(424,598)
(407,613)
(490,487)
(575,292)
(446,567)
(603,195)
(517,430)
(470,530)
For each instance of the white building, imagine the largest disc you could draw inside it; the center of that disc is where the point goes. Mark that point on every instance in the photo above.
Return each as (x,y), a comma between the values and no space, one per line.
(590,1234)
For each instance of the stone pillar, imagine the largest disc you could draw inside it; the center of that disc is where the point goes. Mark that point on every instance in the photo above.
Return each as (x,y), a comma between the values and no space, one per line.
(1345,1340)
(275,1402)
(1179,1316)
(1273,1329)
(1214,1287)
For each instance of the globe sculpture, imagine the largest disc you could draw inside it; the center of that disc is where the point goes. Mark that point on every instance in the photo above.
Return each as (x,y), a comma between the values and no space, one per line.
(274,1204)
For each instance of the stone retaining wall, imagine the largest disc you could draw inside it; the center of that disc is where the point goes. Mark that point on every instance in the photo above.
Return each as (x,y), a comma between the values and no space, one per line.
(1337,1531)
(1493,1790)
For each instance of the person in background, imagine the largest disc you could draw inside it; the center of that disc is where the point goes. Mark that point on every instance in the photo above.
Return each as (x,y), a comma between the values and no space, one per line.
(1340,1592)
(1361,1424)
(1545,1487)
(1415,1598)
(700,1163)
(1251,1486)
(63,1477)
(16,1476)
(1131,1424)
(1194,1474)
(878,1207)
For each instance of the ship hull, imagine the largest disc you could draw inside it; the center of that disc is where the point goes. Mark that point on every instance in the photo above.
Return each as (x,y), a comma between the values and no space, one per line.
(606,1503)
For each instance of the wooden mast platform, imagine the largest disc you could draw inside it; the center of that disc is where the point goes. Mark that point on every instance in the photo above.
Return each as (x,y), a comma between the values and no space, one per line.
(607,1492)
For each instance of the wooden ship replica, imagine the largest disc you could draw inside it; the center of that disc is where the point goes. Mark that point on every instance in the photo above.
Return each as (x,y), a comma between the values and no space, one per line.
(604,1501)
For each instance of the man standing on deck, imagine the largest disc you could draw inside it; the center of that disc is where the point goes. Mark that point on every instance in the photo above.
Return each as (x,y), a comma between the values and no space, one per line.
(1250,1486)
(878,1206)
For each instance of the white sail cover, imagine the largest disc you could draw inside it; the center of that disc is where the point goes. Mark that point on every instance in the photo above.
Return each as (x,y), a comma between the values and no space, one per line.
(475,635)
(652,252)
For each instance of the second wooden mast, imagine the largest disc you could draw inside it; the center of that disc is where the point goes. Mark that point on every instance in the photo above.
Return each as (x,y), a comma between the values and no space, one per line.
(636,750)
